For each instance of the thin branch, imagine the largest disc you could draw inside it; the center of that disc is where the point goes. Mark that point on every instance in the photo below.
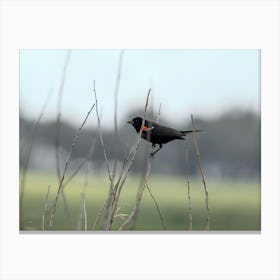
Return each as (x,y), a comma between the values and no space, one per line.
(83,162)
(100,133)
(150,192)
(134,214)
(28,155)
(116,144)
(107,203)
(83,212)
(130,221)
(45,212)
(59,101)
(159,111)
(135,148)
(60,186)
(189,205)
(66,208)
(116,94)
(207,222)
(57,138)
(157,207)
(127,163)
(116,190)
(79,167)
(99,214)
(125,171)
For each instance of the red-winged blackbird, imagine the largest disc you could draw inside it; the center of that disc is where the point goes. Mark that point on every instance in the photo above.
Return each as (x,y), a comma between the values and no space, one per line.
(158,134)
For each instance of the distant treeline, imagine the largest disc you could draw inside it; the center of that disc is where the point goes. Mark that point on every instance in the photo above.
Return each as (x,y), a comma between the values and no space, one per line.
(229,146)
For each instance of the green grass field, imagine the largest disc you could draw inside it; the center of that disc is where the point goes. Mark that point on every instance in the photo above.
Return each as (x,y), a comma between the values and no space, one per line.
(234,205)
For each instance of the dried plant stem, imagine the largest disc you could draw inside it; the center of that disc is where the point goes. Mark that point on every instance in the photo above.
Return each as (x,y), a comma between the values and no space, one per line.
(107,202)
(117,140)
(159,111)
(150,192)
(85,160)
(130,159)
(130,221)
(111,193)
(83,213)
(70,178)
(57,138)
(26,163)
(114,195)
(59,101)
(60,186)
(45,208)
(98,215)
(66,208)
(157,207)
(207,222)
(100,134)
(189,204)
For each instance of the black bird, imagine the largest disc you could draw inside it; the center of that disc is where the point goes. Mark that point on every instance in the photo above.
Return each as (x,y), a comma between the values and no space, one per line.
(158,134)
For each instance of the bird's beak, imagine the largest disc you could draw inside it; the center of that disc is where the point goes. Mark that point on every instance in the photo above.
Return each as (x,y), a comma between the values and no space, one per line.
(130,122)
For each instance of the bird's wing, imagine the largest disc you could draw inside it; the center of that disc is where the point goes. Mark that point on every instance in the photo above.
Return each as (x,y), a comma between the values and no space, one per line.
(164,131)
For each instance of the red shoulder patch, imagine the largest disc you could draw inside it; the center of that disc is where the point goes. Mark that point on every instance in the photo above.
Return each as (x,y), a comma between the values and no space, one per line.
(146,128)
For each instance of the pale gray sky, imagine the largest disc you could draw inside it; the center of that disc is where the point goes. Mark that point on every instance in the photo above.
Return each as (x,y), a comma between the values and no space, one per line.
(203,82)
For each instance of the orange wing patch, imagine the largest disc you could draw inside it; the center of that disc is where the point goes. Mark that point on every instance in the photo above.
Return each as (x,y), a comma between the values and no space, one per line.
(146,128)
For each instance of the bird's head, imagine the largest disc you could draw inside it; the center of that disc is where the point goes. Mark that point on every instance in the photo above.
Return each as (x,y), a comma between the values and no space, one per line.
(136,122)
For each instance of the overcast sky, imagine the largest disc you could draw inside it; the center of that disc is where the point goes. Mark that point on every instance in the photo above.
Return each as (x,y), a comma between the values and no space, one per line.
(203,82)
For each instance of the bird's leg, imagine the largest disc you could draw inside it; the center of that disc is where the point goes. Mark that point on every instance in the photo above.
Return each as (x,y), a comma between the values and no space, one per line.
(153,153)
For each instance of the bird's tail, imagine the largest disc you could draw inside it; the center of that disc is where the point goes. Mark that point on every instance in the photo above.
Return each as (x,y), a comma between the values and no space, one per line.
(190,131)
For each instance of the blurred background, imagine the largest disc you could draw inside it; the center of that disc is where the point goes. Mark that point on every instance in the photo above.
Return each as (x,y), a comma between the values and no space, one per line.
(221,88)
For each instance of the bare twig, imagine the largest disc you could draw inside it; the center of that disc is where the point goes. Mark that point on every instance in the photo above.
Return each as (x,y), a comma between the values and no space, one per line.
(130,221)
(207,222)
(45,208)
(150,192)
(28,155)
(83,162)
(189,205)
(57,138)
(59,101)
(126,169)
(107,202)
(83,212)
(159,111)
(66,208)
(116,190)
(99,214)
(157,207)
(100,133)
(117,144)
(114,195)
(60,186)
(79,167)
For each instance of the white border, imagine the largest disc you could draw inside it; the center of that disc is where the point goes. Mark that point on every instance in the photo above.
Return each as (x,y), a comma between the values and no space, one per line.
(156,24)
